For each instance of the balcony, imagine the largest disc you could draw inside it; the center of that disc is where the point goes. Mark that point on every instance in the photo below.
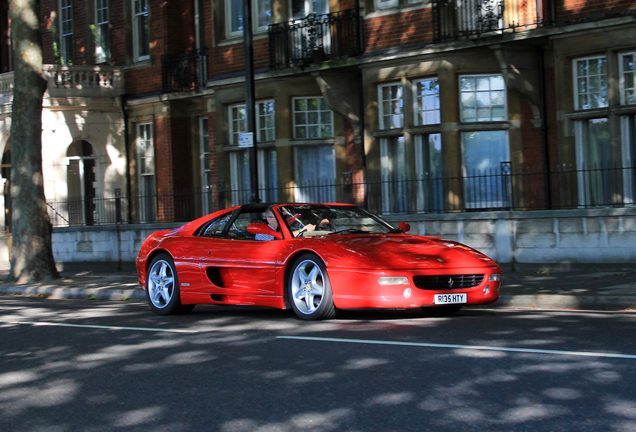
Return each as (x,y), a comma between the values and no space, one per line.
(183,70)
(84,81)
(72,81)
(464,19)
(316,38)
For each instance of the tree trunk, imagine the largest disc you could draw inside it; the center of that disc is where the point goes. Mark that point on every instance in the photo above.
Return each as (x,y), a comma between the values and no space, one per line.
(32,259)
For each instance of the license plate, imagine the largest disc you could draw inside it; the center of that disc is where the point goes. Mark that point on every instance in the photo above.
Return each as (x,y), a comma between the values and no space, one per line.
(450,298)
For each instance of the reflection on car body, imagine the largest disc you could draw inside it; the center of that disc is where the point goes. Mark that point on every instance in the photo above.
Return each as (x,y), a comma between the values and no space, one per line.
(318,258)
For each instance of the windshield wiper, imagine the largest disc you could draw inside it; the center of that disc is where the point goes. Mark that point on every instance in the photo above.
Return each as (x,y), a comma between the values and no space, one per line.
(350,231)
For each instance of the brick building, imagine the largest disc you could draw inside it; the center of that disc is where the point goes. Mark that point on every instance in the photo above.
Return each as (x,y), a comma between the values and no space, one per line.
(404,106)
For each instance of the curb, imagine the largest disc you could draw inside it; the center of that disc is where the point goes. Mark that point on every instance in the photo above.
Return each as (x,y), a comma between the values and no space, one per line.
(561,301)
(75,293)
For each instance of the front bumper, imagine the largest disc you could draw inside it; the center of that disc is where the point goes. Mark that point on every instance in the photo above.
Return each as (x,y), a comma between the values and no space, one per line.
(359,288)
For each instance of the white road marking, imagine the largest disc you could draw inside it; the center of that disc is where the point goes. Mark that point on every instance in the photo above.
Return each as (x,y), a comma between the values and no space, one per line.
(89,326)
(469,347)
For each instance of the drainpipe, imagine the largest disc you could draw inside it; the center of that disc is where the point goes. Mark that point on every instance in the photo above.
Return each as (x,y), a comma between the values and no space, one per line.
(544,130)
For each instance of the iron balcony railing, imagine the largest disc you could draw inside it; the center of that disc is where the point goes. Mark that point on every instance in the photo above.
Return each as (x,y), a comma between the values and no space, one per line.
(532,188)
(456,19)
(183,70)
(315,38)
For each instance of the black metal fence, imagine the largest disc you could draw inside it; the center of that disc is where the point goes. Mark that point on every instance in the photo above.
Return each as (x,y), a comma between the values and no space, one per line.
(315,38)
(183,70)
(532,188)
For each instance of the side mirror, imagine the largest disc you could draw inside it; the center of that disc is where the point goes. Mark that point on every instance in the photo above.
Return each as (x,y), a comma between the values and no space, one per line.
(404,226)
(262,228)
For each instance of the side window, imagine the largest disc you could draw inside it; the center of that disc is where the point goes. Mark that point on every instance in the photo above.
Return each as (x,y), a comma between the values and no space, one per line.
(216,226)
(238,230)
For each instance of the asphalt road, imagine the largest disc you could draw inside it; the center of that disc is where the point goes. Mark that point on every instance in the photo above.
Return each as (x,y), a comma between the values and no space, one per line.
(76,365)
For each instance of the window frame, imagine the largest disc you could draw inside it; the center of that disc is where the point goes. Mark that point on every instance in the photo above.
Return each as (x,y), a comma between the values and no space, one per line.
(327,189)
(261,131)
(575,83)
(623,89)
(256,25)
(476,93)
(394,201)
(66,20)
(102,31)
(204,152)
(147,137)
(381,103)
(307,125)
(138,53)
(430,189)
(385,4)
(418,100)
(267,178)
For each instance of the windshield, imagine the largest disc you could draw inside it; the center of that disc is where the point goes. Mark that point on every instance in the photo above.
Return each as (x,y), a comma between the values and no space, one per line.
(306,220)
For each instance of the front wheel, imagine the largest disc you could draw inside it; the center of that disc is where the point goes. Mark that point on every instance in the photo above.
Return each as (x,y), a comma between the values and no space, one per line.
(162,287)
(309,289)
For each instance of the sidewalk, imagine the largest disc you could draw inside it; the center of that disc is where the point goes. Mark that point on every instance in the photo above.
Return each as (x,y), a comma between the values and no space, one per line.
(614,290)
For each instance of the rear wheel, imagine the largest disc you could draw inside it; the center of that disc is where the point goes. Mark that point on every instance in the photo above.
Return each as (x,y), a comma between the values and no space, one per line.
(309,289)
(441,311)
(162,287)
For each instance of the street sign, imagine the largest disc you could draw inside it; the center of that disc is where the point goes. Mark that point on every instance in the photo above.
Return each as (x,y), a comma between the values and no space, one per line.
(246,139)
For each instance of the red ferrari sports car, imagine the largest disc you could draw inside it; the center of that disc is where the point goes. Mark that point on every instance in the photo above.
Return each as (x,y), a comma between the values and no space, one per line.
(313,258)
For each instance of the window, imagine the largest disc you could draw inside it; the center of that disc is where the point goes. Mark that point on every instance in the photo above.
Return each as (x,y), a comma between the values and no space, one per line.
(266,121)
(240,176)
(590,83)
(486,183)
(627,62)
(312,118)
(266,157)
(102,36)
(628,135)
(428,167)
(261,15)
(391,101)
(594,171)
(426,93)
(483,98)
(238,123)
(66,31)
(267,175)
(383,4)
(315,173)
(146,164)
(238,229)
(303,8)
(206,173)
(141,30)
(216,227)
(486,154)
(394,180)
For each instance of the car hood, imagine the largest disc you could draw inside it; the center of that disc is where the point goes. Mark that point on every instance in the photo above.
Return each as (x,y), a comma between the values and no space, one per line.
(401,251)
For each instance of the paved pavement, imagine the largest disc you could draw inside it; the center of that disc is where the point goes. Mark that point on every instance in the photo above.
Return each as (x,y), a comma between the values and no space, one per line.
(588,290)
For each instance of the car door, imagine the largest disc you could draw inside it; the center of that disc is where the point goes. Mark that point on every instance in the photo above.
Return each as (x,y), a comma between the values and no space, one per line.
(234,262)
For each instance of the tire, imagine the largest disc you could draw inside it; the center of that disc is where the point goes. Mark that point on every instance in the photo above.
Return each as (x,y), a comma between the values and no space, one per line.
(162,287)
(441,311)
(309,289)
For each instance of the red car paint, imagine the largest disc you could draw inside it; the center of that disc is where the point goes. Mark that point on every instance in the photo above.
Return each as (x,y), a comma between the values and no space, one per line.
(252,272)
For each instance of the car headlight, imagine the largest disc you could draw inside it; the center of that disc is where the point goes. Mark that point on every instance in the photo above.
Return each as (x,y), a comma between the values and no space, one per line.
(495,277)
(400,280)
